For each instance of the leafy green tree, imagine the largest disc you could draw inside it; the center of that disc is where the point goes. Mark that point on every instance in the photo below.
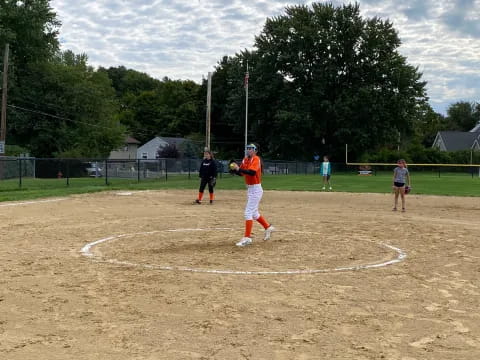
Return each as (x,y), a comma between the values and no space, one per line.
(128,82)
(170,109)
(463,116)
(30,27)
(426,124)
(323,76)
(169,152)
(70,110)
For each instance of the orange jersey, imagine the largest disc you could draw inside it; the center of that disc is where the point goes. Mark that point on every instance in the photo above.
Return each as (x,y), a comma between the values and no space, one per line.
(254,164)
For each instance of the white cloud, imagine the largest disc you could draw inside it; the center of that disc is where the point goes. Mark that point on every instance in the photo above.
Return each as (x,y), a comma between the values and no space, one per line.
(184,39)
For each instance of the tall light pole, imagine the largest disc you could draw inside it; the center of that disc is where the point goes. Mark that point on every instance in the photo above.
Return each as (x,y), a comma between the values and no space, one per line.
(247,75)
(209,106)
(3,120)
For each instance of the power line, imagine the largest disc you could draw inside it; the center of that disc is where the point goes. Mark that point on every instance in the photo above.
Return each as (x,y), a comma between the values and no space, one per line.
(56,117)
(38,112)
(84,122)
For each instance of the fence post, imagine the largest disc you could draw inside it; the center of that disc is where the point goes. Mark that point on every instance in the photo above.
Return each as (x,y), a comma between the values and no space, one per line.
(166,169)
(20,171)
(68,173)
(138,170)
(189,168)
(106,171)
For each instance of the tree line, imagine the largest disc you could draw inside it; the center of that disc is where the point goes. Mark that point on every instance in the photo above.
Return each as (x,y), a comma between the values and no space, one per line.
(320,76)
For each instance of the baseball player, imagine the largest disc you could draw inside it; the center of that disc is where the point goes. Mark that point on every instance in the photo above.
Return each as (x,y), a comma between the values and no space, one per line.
(326,171)
(208,175)
(251,169)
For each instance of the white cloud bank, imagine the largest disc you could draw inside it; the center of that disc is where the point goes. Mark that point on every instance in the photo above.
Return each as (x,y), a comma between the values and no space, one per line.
(184,39)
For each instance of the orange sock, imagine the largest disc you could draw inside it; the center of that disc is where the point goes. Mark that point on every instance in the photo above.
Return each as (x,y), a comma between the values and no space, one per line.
(200,196)
(212,196)
(248,228)
(263,222)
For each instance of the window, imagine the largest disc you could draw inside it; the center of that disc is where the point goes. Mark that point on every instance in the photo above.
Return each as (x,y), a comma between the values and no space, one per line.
(144,155)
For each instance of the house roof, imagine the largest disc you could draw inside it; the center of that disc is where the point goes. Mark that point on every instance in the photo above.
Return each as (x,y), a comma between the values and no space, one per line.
(458,140)
(131,140)
(476,128)
(174,140)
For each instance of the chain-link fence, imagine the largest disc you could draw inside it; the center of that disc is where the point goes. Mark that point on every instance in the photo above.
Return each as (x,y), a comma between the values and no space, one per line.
(106,171)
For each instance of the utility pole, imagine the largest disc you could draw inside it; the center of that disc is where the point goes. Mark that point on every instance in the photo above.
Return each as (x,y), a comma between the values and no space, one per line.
(3,122)
(209,106)
(247,75)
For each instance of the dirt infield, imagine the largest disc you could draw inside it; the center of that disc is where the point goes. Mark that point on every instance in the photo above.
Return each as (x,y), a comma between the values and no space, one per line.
(160,278)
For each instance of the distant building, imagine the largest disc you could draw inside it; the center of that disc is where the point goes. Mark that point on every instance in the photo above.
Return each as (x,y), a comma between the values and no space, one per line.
(458,140)
(128,151)
(150,149)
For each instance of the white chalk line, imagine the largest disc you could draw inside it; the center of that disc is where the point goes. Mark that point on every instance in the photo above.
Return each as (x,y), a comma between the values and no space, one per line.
(31,202)
(401,255)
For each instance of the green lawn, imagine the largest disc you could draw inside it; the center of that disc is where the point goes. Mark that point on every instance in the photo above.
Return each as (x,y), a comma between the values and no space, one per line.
(449,184)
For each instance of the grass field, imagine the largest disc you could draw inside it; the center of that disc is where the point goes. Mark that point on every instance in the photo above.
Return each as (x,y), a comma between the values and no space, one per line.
(448,184)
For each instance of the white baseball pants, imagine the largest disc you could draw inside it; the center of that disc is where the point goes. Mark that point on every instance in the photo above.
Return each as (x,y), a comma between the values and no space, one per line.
(254,195)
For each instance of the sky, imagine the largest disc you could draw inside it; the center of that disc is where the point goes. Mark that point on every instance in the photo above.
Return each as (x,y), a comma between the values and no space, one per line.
(185,39)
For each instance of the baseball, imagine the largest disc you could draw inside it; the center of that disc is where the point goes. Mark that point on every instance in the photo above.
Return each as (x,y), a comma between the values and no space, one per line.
(233,166)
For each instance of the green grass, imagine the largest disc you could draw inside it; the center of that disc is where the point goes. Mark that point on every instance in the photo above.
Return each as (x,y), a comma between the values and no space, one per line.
(449,184)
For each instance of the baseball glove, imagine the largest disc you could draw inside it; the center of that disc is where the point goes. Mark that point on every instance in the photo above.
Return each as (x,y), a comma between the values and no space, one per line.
(408,189)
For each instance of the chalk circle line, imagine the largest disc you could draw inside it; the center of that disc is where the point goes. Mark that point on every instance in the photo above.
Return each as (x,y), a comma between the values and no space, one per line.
(86,251)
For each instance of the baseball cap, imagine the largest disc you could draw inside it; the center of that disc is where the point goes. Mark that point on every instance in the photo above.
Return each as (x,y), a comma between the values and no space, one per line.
(251,146)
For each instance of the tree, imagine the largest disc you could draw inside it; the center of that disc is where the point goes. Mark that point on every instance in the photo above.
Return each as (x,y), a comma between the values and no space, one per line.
(70,110)
(427,124)
(169,108)
(324,72)
(31,29)
(463,116)
(169,152)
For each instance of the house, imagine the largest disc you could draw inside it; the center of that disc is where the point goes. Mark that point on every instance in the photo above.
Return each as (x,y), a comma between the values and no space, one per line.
(128,150)
(150,149)
(458,140)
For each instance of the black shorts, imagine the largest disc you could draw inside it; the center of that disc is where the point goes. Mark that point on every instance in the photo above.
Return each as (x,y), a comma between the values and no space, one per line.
(398,184)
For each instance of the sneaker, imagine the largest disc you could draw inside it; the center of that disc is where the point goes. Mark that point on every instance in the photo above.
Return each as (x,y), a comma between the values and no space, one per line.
(330,188)
(323,188)
(198,201)
(244,242)
(211,202)
(268,232)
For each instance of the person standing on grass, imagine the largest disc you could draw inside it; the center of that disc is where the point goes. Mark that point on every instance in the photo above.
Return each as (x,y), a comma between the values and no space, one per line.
(326,171)
(207,175)
(400,177)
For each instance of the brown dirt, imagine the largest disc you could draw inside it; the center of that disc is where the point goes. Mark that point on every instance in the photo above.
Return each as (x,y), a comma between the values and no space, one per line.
(56,303)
